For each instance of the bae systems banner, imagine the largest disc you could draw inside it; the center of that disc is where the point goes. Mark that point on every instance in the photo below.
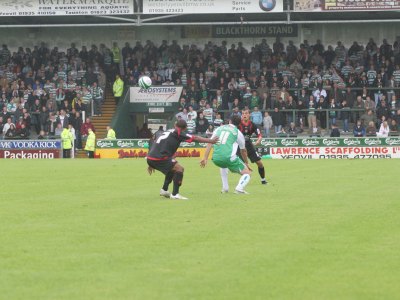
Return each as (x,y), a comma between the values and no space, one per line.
(65,7)
(342,5)
(211,6)
(156,99)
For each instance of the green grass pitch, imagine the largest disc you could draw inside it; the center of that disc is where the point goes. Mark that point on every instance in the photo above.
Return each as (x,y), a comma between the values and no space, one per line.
(97,229)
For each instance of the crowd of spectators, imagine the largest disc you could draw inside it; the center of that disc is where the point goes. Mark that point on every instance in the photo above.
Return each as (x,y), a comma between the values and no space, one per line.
(288,88)
(45,90)
(355,83)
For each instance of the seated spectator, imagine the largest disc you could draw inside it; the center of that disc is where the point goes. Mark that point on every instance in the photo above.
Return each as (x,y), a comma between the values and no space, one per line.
(22,133)
(59,129)
(359,130)
(182,115)
(335,132)
(209,131)
(144,132)
(42,135)
(314,131)
(11,132)
(371,129)
(393,127)
(291,131)
(191,124)
(7,126)
(218,120)
(383,130)
(202,124)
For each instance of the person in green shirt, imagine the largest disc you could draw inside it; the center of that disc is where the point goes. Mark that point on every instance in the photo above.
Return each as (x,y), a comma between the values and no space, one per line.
(90,143)
(224,155)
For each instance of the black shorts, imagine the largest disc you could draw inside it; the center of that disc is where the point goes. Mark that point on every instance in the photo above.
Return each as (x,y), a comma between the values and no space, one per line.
(251,152)
(164,166)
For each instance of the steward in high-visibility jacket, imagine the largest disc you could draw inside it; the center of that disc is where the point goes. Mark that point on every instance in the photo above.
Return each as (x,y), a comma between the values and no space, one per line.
(118,88)
(110,134)
(67,139)
(90,143)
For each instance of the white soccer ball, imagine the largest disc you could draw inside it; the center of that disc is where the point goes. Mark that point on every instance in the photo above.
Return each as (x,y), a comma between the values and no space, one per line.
(145,82)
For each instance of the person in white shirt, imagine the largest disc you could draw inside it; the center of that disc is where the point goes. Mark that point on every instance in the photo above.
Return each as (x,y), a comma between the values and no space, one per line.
(384,130)
(7,126)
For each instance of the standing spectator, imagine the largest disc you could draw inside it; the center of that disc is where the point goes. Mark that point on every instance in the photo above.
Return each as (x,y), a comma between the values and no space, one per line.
(345,114)
(67,141)
(90,143)
(359,130)
(256,117)
(267,124)
(97,94)
(277,120)
(118,88)
(85,128)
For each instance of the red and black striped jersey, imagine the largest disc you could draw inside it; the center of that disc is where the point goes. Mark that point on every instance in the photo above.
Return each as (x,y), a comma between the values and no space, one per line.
(249,128)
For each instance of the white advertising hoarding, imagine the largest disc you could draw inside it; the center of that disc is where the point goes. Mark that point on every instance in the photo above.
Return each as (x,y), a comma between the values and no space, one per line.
(211,6)
(161,94)
(65,7)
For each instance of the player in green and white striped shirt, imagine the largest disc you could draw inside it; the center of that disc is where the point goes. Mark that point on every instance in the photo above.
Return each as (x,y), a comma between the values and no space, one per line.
(224,155)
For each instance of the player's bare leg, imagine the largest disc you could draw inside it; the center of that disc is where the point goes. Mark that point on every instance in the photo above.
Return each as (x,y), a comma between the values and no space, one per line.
(177,180)
(261,171)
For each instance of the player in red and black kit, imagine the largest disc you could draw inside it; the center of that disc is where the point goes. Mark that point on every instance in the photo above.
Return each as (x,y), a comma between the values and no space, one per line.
(160,157)
(248,128)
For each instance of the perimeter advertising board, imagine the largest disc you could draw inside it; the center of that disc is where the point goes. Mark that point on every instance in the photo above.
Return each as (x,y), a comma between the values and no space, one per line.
(26,149)
(140,148)
(283,148)
(211,6)
(156,99)
(33,8)
(341,5)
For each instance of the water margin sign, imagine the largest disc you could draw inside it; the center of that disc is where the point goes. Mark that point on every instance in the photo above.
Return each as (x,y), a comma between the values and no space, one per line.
(38,8)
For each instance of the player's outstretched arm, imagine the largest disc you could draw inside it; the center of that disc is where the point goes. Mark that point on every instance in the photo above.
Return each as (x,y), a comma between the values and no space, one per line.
(203,162)
(205,140)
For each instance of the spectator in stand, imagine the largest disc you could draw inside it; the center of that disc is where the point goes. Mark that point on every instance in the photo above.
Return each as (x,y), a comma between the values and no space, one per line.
(371,129)
(359,130)
(85,128)
(383,130)
(393,127)
(277,120)
(256,117)
(218,120)
(145,132)
(191,124)
(314,131)
(267,124)
(335,132)
(202,124)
